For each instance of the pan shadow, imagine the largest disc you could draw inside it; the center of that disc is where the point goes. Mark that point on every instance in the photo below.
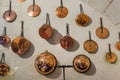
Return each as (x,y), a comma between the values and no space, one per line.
(29,52)
(55,39)
(55,74)
(7,45)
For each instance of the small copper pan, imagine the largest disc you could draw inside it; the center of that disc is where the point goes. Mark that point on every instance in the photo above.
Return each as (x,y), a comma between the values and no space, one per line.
(90,45)
(4,68)
(9,15)
(21,0)
(46,31)
(20,45)
(4,39)
(34,10)
(61,11)
(102,32)
(45,63)
(67,42)
(81,63)
(117,44)
(82,19)
(110,56)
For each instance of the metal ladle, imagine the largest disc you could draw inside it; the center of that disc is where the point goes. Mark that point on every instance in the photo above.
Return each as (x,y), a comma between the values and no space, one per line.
(34,10)
(61,11)
(9,15)
(102,32)
(4,68)
(90,45)
(82,19)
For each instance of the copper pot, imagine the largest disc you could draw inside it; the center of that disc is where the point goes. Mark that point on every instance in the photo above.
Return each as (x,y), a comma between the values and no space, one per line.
(4,68)
(81,63)
(20,45)
(45,63)
(61,11)
(9,15)
(46,31)
(67,42)
(4,39)
(82,19)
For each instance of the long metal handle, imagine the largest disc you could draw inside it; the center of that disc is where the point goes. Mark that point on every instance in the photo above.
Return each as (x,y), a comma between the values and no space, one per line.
(119,35)
(81,9)
(22,30)
(2,58)
(101,24)
(67,29)
(47,19)
(110,50)
(33,5)
(90,35)
(9,7)
(4,31)
(61,2)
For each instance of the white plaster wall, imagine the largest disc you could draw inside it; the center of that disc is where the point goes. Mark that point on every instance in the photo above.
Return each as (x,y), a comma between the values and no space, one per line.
(23,68)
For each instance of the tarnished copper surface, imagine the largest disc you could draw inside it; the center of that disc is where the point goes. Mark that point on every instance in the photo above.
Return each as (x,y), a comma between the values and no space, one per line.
(117,45)
(82,20)
(112,58)
(20,45)
(21,0)
(67,42)
(34,12)
(61,11)
(45,63)
(46,31)
(102,33)
(90,46)
(11,17)
(81,63)
(4,69)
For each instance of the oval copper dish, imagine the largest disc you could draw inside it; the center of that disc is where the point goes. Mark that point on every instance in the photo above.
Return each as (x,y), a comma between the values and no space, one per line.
(82,19)
(46,31)
(21,0)
(61,11)
(34,12)
(90,46)
(81,63)
(11,17)
(103,34)
(20,45)
(112,58)
(45,63)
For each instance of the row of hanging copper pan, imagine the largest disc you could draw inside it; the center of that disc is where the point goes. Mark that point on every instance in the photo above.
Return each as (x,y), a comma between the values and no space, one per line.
(46,63)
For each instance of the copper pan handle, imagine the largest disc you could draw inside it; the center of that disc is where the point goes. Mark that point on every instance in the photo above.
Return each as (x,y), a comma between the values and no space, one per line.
(110,53)
(61,3)
(101,24)
(90,36)
(9,7)
(22,30)
(33,5)
(2,58)
(119,35)
(81,9)
(67,29)
(47,19)
(4,31)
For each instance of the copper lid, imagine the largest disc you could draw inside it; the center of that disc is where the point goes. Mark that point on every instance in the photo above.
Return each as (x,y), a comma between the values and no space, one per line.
(81,63)
(45,63)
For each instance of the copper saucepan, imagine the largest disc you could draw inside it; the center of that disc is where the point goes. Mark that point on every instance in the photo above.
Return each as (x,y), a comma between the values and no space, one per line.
(102,32)
(81,63)
(117,44)
(46,31)
(82,19)
(4,39)
(20,45)
(34,10)
(9,15)
(45,63)
(4,68)
(67,42)
(61,11)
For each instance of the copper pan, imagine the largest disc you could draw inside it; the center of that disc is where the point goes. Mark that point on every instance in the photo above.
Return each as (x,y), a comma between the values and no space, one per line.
(45,63)
(4,39)
(67,42)
(117,44)
(21,0)
(20,45)
(46,31)
(4,68)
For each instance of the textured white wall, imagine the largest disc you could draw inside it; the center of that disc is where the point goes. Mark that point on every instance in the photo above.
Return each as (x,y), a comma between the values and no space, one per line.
(23,68)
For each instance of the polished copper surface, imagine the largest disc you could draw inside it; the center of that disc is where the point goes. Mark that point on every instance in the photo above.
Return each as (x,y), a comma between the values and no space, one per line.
(102,33)
(46,31)
(61,11)
(21,0)
(111,57)
(90,46)
(20,45)
(11,17)
(81,63)
(34,12)
(4,69)
(67,42)
(45,63)
(82,20)
(117,45)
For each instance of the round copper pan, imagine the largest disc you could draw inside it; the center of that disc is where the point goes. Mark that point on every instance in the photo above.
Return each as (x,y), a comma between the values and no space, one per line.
(117,45)
(102,33)
(90,46)
(34,12)
(61,11)
(111,58)
(11,17)
(21,0)
(45,63)
(4,40)
(81,63)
